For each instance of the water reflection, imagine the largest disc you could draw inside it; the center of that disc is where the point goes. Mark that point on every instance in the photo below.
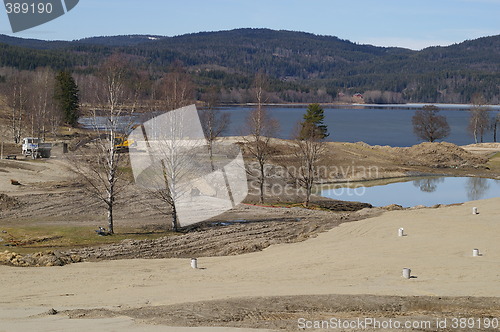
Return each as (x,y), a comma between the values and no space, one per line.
(423,191)
(428,185)
(477,188)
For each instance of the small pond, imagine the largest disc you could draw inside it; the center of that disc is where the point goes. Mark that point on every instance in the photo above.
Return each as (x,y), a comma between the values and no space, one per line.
(426,191)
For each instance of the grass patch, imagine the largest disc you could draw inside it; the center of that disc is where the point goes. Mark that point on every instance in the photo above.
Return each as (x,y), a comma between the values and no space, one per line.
(29,239)
(494,162)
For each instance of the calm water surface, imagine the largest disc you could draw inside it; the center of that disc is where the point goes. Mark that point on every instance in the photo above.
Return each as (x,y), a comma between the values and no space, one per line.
(424,191)
(373,125)
(377,126)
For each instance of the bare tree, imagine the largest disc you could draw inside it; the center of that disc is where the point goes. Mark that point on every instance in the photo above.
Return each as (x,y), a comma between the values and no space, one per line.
(495,121)
(41,104)
(176,87)
(308,152)
(117,103)
(102,175)
(260,127)
(213,122)
(428,185)
(171,162)
(54,120)
(88,85)
(479,123)
(430,126)
(172,142)
(476,188)
(17,100)
(173,91)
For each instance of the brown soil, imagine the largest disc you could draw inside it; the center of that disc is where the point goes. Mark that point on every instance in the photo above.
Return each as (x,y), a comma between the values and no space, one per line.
(38,259)
(7,202)
(433,158)
(252,229)
(285,313)
(50,194)
(438,155)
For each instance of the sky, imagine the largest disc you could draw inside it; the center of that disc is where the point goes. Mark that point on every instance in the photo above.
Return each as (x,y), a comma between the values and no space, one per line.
(414,24)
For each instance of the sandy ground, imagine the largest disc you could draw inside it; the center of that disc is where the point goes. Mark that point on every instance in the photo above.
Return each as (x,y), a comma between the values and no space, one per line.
(265,289)
(31,173)
(362,257)
(125,324)
(482,148)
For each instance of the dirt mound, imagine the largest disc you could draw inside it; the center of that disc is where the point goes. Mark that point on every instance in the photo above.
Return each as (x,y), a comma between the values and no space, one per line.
(284,312)
(229,237)
(335,205)
(233,239)
(37,259)
(439,155)
(7,202)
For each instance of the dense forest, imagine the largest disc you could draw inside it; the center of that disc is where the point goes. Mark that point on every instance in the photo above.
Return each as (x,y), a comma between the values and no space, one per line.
(300,67)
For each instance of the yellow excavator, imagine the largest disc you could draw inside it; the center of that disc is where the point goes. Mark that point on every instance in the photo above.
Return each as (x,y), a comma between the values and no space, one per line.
(123,144)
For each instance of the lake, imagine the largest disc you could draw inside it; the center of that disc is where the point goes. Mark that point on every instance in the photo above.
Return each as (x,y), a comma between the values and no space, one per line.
(420,191)
(374,124)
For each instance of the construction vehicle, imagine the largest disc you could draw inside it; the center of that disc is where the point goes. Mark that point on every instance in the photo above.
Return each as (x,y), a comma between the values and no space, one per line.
(36,148)
(123,144)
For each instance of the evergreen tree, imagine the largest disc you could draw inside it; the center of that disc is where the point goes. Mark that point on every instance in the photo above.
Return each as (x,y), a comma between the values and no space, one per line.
(313,127)
(67,98)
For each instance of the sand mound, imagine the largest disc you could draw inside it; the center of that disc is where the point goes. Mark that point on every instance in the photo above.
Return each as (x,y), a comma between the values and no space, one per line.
(484,145)
(439,155)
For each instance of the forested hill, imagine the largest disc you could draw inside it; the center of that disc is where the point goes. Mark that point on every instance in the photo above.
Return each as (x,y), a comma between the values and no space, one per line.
(295,61)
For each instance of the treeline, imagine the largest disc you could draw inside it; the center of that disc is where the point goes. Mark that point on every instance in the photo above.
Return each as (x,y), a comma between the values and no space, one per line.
(37,102)
(301,67)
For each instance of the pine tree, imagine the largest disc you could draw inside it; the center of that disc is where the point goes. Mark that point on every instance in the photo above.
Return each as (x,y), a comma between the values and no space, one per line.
(67,98)
(313,127)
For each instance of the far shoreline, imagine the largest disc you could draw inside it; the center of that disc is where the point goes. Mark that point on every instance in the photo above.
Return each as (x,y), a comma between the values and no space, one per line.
(410,106)
(334,105)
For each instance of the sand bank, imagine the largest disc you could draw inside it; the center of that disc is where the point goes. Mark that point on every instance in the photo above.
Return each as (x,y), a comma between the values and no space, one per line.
(362,257)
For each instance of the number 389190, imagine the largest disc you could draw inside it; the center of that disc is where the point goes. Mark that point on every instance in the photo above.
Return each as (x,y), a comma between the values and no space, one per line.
(28,8)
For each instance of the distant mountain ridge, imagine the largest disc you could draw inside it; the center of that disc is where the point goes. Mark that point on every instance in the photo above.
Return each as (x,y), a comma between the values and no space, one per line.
(299,60)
